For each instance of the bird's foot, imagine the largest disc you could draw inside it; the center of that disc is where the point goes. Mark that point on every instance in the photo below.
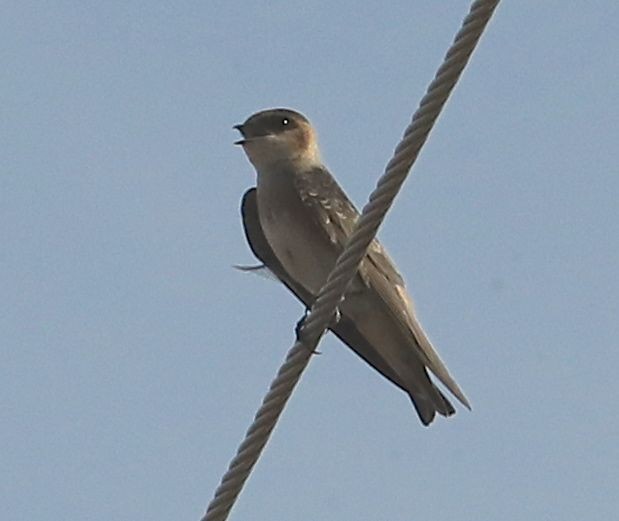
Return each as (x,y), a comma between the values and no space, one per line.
(336,318)
(299,332)
(301,324)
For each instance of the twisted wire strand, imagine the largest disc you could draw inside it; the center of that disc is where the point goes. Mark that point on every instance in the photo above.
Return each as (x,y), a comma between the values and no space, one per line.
(347,264)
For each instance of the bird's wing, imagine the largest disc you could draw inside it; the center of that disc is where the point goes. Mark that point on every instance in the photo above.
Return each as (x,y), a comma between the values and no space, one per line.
(345,329)
(337,216)
(263,251)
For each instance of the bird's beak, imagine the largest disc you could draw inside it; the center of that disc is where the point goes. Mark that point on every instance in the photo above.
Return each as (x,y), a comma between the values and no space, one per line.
(239,127)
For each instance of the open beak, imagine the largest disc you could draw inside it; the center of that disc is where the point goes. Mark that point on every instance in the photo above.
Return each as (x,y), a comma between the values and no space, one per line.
(239,127)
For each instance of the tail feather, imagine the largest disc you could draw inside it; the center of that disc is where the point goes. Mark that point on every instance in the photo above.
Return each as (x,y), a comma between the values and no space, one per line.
(428,405)
(427,410)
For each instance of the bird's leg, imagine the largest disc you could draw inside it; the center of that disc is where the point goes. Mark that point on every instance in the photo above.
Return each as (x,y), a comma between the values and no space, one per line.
(336,318)
(299,330)
(301,324)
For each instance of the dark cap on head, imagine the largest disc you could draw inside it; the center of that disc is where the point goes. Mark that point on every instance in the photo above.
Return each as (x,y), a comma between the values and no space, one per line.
(271,121)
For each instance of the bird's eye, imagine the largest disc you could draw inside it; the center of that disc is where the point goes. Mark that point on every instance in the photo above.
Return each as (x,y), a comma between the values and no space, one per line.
(285,122)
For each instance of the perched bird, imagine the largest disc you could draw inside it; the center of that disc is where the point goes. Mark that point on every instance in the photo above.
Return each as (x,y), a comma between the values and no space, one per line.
(297,221)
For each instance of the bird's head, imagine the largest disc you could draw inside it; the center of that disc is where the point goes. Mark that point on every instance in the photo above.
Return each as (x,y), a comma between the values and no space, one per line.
(278,136)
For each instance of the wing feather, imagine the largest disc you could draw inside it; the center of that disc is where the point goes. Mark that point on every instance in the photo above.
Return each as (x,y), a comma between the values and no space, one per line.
(337,217)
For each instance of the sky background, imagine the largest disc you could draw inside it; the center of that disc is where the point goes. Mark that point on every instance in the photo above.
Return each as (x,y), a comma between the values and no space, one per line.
(133,356)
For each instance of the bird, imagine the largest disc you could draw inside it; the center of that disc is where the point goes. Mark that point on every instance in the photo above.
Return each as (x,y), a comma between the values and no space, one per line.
(297,220)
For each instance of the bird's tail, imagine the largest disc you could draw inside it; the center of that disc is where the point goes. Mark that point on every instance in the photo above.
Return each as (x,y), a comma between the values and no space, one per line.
(427,406)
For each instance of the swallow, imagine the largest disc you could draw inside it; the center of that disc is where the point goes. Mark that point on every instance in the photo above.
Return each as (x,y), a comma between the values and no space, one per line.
(297,221)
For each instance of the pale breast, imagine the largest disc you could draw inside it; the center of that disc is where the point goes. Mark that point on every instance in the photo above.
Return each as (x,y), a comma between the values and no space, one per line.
(299,243)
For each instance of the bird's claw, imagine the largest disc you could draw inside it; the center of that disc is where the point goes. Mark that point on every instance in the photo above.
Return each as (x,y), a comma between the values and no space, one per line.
(299,332)
(336,318)
(301,324)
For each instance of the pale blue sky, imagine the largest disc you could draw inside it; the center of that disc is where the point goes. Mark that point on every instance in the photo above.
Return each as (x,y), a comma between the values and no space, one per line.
(133,356)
